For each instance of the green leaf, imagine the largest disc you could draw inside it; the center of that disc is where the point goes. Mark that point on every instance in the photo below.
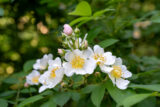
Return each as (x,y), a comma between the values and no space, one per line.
(62,98)
(7,94)
(88,89)
(99,13)
(108,42)
(75,96)
(155,18)
(49,103)
(152,87)
(82,9)
(28,90)
(148,102)
(30,100)
(11,80)
(28,65)
(97,95)
(117,94)
(79,20)
(3,103)
(93,33)
(134,99)
(78,80)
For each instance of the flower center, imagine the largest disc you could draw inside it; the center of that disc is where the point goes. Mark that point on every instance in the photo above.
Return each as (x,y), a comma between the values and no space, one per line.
(35,79)
(77,62)
(99,58)
(116,72)
(53,74)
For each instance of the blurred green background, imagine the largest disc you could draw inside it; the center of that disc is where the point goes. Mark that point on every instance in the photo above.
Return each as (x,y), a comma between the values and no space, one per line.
(30,28)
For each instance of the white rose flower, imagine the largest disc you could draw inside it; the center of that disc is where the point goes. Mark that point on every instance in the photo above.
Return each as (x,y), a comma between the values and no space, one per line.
(78,62)
(119,73)
(103,59)
(33,77)
(41,64)
(53,76)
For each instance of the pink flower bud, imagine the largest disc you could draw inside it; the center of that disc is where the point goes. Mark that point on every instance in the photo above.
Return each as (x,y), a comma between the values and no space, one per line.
(60,51)
(67,29)
(26,85)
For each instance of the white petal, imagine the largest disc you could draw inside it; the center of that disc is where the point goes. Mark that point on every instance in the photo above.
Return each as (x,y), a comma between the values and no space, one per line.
(50,56)
(118,61)
(125,72)
(88,52)
(29,77)
(54,63)
(121,83)
(68,69)
(68,56)
(90,66)
(98,49)
(110,59)
(78,52)
(80,71)
(42,88)
(106,69)
(112,78)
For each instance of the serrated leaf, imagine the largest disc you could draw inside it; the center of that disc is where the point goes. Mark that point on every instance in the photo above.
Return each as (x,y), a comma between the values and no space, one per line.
(62,98)
(93,33)
(28,90)
(108,42)
(97,95)
(155,18)
(79,20)
(88,89)
(3,103)
(148,102)
(49,103)
(152,87)
(30,100)
(82,9)
(78,80)
(99,13)
(134,99)
(7,94)
(117,94)
(28,65)
(75,96)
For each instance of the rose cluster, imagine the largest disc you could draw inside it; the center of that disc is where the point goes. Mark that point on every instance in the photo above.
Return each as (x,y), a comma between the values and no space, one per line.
(77,58)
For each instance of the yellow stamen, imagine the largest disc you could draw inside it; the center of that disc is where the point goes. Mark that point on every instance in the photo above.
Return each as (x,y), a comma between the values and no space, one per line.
(99,58)
(53,72)
(116,72)
(77,62)
(35,79)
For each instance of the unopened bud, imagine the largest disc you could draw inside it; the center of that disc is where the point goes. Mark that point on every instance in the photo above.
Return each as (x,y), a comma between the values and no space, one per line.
(86,44)
(67,29)
(26,85)
(61,52)
(76,30)
(63,84)
(97,74)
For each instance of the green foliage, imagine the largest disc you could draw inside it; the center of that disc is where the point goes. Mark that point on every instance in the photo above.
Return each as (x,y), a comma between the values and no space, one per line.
(152,87)
(131,100)
(28,65)
(3,103)
(82,9)
(97,95)
(107,42)
(119,26)
(62,98)
(30,100)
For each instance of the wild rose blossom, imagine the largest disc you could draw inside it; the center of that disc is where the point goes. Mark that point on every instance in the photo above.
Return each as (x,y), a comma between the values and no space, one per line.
(67,29)
(77,58)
